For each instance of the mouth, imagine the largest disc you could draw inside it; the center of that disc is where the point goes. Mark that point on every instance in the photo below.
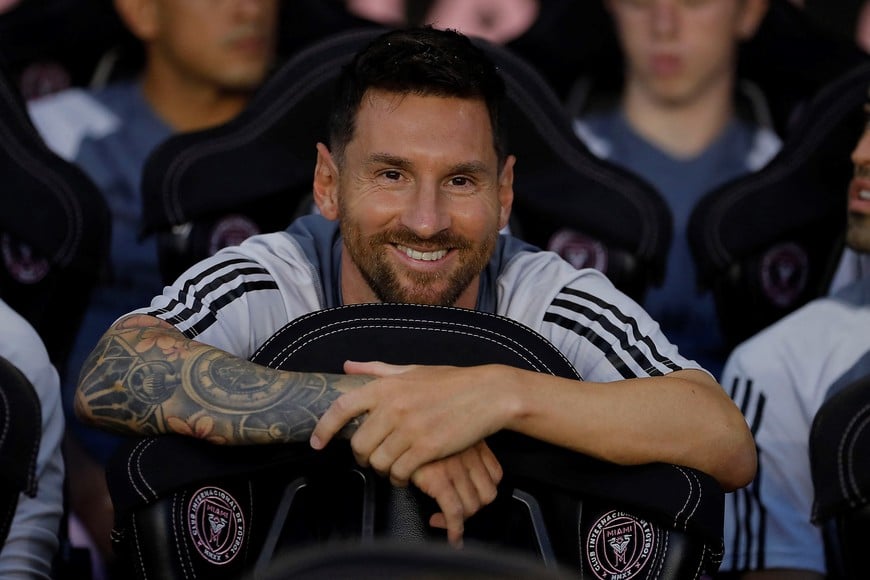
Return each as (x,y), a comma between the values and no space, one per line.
(429,256)
(859,197)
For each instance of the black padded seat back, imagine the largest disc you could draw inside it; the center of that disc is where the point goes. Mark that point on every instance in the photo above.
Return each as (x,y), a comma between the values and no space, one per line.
(558,508)
(769,242)
(840,465)
(207,189)
(20,436)
(54,230)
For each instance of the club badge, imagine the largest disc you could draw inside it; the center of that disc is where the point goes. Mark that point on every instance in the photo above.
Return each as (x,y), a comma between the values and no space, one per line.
(216,525)
(619,546)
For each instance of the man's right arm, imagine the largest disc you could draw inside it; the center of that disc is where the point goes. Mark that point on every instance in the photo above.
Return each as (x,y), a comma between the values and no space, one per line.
(144,377)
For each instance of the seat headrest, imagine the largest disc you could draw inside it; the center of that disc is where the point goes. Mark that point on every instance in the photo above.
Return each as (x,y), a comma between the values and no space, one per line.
(769,241)
(70,227)
(54,230)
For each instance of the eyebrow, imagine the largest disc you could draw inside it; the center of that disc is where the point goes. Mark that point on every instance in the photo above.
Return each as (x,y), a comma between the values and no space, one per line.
(470,167)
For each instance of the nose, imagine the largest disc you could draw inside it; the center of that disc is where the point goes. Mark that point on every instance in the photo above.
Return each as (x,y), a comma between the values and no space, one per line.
(426,213)
(255,8)
(664,20)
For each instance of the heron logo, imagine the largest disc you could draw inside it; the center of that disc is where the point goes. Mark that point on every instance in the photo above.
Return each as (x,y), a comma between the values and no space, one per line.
(579,250)
(784,271)
(24,264)
(619,546)
(216,525)
(231,231)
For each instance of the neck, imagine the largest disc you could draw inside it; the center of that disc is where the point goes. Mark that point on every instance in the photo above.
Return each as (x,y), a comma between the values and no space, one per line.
(681,129)
(188,105)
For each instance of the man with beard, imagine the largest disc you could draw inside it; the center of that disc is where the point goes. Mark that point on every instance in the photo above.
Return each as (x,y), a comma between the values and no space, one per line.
(412,192)
(780,378)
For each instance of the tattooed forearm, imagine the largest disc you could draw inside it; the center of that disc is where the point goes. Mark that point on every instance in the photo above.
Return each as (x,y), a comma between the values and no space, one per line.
(149,379)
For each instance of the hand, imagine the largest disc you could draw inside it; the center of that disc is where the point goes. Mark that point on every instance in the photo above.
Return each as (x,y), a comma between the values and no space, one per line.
(416,414)
(461,484)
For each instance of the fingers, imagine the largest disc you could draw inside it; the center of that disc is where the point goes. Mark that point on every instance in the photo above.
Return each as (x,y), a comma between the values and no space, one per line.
(461,485)
(352,404)
(375,368)
(342,410)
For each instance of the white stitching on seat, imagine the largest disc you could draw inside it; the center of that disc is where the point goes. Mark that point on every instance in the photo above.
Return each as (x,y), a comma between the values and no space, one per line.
(852,433)
(688,498)
(521,327)
(136,456)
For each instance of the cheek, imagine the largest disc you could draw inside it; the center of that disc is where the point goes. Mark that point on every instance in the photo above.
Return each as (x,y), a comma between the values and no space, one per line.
(476,220)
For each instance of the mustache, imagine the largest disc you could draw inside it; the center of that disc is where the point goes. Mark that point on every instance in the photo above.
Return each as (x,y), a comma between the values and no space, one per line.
(862,171)
(405,237)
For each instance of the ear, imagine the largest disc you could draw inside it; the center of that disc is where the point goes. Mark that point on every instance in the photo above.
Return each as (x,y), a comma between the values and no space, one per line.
(506,191)
(326,183)
(139,16)
(751,15)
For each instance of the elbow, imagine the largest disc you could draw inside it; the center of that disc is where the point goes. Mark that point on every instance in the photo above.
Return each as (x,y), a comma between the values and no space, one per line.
(82,410)
(738,465)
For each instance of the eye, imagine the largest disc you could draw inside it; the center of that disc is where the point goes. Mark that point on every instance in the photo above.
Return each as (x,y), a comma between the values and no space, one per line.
(460,181)
(392,174)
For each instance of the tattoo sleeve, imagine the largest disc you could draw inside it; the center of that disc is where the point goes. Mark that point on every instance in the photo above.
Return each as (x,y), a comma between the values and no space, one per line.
(146,378)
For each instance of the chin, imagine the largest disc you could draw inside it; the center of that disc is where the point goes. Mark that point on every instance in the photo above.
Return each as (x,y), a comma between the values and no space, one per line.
(858,233)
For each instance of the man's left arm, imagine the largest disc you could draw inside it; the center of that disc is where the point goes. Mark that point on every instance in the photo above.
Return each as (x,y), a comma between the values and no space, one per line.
(418,414)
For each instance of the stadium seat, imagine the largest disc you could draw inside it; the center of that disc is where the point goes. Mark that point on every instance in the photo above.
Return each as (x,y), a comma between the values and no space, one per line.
(54,231)
(767,243)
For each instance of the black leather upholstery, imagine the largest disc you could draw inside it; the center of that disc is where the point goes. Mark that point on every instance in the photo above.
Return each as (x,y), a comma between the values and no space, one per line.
(20,436)
(840,464)
(555,507)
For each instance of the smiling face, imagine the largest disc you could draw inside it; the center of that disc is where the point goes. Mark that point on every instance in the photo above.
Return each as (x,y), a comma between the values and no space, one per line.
(858,232)
(677,50)
(419,197)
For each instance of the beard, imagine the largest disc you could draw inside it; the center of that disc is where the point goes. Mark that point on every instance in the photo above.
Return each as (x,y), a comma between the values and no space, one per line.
(390,283)
(858,232)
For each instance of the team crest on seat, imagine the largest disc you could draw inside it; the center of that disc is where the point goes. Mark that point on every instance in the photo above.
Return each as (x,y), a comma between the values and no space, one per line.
(619,546)
(216,524)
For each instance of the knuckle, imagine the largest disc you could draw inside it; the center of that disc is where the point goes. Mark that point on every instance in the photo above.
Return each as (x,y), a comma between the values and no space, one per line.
(488,495)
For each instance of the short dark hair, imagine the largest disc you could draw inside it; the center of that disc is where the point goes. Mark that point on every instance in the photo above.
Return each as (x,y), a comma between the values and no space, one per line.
(422,61)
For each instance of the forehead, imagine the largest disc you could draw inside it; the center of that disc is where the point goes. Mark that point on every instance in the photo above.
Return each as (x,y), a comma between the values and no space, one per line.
(405,121)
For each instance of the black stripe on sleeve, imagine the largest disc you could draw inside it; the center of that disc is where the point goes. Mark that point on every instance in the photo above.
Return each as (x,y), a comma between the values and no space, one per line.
(747,501)
(200,292)
(628,344)
(225,299)
(194,291)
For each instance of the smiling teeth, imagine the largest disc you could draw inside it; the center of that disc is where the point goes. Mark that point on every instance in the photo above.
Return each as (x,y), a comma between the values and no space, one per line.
(425,256)
(864,194)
